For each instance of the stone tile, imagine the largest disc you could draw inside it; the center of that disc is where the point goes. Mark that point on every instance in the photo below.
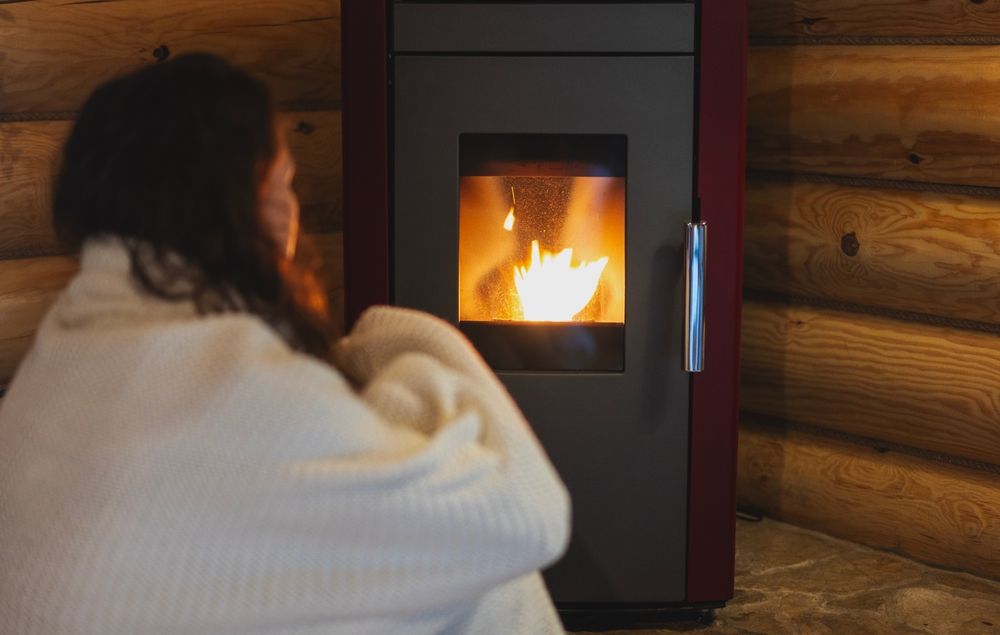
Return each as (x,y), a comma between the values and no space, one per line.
(942,612)
(798,582)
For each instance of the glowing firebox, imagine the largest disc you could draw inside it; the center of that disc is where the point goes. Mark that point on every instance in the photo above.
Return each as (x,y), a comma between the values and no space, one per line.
(544,242)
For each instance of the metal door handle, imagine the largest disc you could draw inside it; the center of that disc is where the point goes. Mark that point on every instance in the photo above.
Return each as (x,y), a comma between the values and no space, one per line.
(695,259)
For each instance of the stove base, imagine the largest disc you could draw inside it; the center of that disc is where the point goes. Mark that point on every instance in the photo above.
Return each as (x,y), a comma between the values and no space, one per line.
(604,617)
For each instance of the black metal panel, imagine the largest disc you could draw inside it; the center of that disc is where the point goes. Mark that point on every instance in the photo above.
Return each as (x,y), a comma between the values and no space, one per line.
(548,346)
(576,155)
(620,440)
(612,27)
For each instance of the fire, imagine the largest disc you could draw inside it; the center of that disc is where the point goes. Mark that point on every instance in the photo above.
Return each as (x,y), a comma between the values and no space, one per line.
(508,222)
(551,289)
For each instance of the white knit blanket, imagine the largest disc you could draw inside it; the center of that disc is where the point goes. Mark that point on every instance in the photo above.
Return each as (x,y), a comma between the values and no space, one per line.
(163,472)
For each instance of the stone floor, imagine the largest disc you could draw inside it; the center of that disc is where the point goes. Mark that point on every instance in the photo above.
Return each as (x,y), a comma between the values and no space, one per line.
(793,581)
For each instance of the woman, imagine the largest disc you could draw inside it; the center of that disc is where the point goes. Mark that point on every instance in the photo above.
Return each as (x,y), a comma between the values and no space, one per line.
(177,454)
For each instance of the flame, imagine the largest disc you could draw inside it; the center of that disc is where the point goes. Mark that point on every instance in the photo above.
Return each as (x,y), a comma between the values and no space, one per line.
(551,289)
(508,222)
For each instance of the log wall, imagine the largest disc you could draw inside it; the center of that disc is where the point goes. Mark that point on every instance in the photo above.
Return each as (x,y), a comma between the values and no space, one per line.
(53,53)
(871,339)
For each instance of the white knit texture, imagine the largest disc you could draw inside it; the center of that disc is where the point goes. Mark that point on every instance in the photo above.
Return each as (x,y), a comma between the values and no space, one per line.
(165,473)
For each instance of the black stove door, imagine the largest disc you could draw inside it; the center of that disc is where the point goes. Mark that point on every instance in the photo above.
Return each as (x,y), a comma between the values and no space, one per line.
(619,438)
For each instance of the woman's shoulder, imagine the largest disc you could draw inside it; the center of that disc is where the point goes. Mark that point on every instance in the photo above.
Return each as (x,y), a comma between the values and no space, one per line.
(104,315)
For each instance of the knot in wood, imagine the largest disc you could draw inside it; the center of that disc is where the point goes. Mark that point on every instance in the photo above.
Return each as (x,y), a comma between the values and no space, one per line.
(305,127)
(849,244)
(161,52)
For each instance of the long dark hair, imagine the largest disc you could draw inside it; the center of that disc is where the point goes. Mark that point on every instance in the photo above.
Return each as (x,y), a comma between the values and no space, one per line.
(170,158)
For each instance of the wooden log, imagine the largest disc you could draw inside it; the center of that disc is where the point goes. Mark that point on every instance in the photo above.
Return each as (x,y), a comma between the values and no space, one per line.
(54,53)
(923,252)
(941,514)
(920,386)
(314,139)
(28,287)
(918,113)
(873,18)
(29,153)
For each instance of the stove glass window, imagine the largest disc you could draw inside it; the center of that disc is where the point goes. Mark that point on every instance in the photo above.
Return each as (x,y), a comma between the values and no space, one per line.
(542,239)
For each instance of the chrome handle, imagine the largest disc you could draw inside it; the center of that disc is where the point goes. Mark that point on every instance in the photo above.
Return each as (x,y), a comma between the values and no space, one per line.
(696,259)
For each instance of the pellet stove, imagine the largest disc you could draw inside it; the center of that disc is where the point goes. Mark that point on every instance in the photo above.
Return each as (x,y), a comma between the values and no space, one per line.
(548,176)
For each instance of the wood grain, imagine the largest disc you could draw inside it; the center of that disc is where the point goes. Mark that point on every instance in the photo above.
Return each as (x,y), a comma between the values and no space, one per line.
(924,252)
(28,287)
(878,18)
(941,514)
(29,153)
(918,113)
(916,385)
(53,53)
(314,139)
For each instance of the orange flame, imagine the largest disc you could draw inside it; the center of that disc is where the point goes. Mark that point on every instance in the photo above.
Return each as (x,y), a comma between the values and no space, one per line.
(551,289)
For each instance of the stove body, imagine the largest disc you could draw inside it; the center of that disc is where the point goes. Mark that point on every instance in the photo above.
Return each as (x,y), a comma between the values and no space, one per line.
(483,139)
